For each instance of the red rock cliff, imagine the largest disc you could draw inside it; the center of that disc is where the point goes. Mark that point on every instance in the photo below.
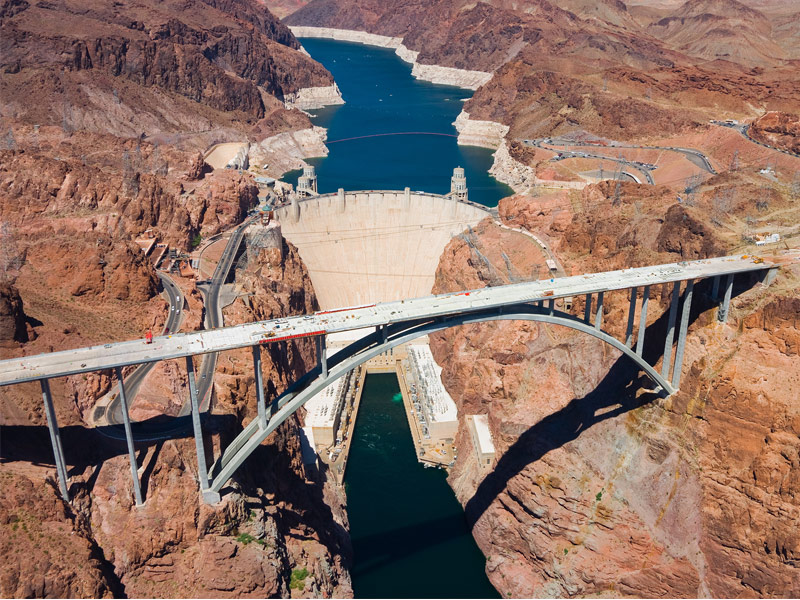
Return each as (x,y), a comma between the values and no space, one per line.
(601,487)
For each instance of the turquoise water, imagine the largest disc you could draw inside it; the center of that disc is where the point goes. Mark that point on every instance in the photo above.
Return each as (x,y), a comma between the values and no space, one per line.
(383,98)
(410,537)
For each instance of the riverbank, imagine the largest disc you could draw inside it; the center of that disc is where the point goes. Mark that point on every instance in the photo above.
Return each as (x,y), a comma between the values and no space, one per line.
(463,78)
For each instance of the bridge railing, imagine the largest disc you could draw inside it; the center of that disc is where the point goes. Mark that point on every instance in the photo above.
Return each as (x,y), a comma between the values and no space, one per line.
(398,330)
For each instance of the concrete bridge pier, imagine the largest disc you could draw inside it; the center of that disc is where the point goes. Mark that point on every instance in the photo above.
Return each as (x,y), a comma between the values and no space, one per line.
(322,354)
(259,378)
(587,310)
(643,320)
(722,314)
(687,305)
(631,317)
(209,496)
(598,318)
(126,419)
(673,313)
(55,439)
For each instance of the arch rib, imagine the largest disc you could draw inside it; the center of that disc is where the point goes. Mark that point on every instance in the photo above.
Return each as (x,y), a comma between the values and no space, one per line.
(372,345)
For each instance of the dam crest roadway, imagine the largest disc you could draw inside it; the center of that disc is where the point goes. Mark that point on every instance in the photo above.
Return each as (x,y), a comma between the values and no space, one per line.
(395,323)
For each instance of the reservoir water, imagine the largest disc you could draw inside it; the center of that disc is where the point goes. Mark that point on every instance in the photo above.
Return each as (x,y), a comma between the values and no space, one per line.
(381,97)
(410,537)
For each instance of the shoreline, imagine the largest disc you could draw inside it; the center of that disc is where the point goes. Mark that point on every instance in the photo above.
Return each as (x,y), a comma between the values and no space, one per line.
(462,78)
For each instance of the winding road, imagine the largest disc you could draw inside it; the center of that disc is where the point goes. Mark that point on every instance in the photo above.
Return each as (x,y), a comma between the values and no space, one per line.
(205,374)
(113,412)
(694,156)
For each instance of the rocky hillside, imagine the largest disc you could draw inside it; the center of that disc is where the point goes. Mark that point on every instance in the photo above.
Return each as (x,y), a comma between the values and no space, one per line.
(278,532)
(564,66)
(104,111)
(143,68)
(779,130)
(600,487)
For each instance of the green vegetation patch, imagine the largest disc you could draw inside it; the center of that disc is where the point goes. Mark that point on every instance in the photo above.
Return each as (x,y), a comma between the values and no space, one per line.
(298,580)
(245,538)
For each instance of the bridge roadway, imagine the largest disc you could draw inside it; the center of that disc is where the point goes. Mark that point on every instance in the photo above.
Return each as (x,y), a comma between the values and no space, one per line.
(95,358)
(113,412)
(213,318)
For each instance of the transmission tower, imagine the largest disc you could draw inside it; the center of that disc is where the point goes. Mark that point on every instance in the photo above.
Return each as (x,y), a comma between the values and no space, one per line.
(734,162)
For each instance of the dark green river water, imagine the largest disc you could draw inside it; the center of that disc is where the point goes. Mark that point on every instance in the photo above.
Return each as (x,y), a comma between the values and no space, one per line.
(381,97)
(410,537)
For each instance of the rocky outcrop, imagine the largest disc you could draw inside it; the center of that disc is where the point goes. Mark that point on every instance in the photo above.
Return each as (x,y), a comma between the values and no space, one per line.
(486,134)
(12,315)
(314,97)
(778,130)
(287,151)
(216,63)
(601,487)
(47,548)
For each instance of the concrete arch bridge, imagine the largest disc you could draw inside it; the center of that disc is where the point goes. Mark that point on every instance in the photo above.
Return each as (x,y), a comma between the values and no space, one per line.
(391,324)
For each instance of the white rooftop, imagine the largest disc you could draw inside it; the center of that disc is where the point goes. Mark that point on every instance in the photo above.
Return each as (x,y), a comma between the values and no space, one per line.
(485,442)
(442,406)
(321,408)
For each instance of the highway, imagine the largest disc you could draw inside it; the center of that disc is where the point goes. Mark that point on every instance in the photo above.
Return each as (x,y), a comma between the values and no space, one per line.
(213,320)
(95,358)
(113,412)
(641,167)
(745,131)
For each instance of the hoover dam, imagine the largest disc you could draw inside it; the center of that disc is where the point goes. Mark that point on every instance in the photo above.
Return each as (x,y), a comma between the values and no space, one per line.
(374,246)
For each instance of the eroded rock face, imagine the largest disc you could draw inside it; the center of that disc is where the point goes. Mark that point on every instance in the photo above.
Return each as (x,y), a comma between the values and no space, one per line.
(12,315)
(777,129)
(47,549)
(601,487)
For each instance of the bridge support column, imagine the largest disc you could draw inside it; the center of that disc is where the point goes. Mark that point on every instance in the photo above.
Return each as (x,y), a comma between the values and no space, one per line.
(631,318)
(715,288)
(209,496)
(687,305)
(126,419)
(722,314)
(551,306)
(587,310)
(55,439)
(643,320)
(322,354)
(673,312)
(598,318)
(259,377)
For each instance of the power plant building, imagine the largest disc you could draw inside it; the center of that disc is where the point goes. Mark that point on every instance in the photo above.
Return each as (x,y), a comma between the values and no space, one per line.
(439,413)
(481,439)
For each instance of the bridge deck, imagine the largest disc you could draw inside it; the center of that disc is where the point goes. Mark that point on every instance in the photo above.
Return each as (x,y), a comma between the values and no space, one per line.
(94,358)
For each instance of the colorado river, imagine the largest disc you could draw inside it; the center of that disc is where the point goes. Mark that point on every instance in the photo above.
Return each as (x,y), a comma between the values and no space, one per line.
(410,538)
(383,98)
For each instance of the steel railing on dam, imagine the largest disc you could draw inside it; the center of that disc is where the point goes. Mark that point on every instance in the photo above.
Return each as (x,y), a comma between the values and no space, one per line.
(394,323)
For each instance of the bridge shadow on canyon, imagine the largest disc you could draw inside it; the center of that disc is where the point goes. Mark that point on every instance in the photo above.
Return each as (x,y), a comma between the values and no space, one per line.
(623,389)
(619,392)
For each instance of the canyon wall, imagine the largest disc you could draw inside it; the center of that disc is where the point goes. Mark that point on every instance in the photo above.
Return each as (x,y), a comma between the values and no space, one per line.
(599,486)
(105,113)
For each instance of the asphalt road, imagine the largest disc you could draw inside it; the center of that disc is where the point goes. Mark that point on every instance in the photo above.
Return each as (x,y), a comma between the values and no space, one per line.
(134,380)
(205,374)
(694,156)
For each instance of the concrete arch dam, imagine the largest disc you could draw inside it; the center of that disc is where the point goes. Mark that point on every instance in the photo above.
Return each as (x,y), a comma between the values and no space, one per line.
(374,246)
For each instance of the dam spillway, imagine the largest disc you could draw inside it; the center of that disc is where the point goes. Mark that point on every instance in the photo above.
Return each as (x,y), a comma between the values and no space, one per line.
(374,246)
